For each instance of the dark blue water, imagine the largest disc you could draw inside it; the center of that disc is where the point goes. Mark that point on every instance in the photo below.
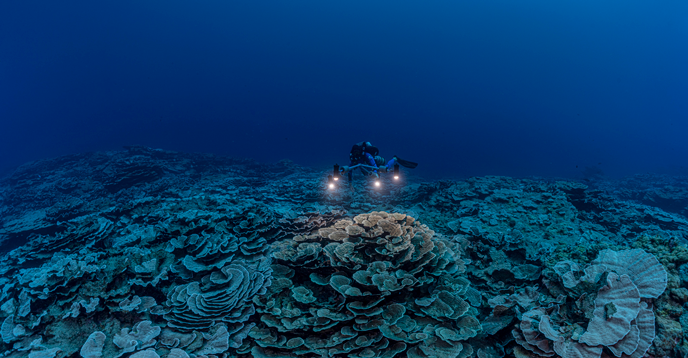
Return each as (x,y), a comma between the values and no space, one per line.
(465,88)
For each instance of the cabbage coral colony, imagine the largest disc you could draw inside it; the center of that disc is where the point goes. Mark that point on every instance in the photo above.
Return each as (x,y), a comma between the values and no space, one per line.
(169,261)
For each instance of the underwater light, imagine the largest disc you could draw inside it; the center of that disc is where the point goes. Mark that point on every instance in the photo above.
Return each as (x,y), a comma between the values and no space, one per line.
(396,177)
(377,183)
(335,172)
(331,185)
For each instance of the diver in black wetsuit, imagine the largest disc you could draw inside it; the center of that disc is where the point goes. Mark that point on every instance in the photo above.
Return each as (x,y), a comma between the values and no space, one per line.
(366,154)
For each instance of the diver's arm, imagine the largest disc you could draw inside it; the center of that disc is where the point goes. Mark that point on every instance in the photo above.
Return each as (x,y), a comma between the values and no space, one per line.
(371,162)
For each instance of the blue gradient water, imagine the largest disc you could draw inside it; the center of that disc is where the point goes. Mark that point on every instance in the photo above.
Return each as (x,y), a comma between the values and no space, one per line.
(463,87)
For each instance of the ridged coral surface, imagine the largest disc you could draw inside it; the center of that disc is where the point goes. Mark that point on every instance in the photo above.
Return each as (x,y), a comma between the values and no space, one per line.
(149,253)
(617,321)
(376,282)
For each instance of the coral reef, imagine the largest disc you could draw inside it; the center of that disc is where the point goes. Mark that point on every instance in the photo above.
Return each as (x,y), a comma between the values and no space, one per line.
(375,286)
(151,253)
(599,309)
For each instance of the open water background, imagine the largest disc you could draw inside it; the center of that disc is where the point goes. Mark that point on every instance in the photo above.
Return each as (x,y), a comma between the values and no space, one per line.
(466,88)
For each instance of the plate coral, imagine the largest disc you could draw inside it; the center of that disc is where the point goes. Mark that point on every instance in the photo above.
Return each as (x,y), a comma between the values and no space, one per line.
(150,253)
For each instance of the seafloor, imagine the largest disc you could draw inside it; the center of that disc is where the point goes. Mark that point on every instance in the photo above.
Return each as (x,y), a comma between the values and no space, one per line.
(149,253)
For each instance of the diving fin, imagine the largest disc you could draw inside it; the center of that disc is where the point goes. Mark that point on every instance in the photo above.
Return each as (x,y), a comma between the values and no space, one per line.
(406,163)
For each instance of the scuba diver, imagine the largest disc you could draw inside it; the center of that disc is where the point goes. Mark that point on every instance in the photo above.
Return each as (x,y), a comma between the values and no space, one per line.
(365,156)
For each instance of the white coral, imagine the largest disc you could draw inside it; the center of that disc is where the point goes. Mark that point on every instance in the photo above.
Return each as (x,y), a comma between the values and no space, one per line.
(616,305)
(93,347)
(142,336)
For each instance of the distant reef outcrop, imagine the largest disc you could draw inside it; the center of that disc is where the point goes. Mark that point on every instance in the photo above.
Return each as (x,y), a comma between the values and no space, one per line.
(148,253)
